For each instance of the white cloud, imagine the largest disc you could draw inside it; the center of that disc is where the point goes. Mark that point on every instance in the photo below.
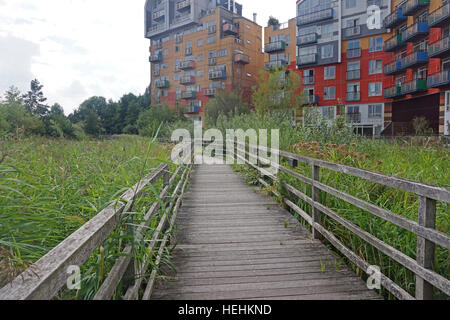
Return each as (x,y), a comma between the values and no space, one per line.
(81,48)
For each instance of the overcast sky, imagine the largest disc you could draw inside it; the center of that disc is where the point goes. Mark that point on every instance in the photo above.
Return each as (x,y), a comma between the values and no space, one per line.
(82,48)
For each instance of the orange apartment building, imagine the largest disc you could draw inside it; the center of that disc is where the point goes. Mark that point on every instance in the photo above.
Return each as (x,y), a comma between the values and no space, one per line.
(198,49)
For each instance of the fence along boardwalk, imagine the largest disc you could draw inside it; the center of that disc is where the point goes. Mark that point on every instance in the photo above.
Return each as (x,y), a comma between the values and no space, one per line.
(234,243)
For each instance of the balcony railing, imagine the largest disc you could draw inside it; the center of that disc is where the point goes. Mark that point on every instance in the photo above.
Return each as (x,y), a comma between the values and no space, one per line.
(230,28)
(278,64)
(439,17)
(158,15)
(220,74)
(312,99)
(210,92)
(352,31)
(353,117)
(393,68)
(307,39)
(413,59)
(156,29)
(414,86)
(162,84)
(186,80)
(212,61)
(185,65)
(181,5)
(417,30)
(241,58)
(155,58)
(308,80)
(392,92)
(191,109)
(413,6)
(353,53)
(181,18)
(439,79)
(307,59)
(275,46)
(394,43)
(188,51)
(188,95)
(395,18)
(315,17)
(354,75)
(353,96)
(439,48)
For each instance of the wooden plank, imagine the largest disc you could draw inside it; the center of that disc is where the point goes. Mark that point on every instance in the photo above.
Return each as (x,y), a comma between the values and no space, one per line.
(46,277)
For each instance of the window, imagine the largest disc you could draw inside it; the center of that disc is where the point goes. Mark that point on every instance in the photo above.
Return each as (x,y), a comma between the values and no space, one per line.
(211,39)
(329,93)
(329,73)
(327,51)
(164,66)
(177,48)
(350,4)
(327,31)
(212,54)
(376,44)
(353,65)
(189,44)
(328,112)
(200,73)
(375,66)
(200,58)
(199,42)
(354,44)
(375,111)
(375,89)
(166,52)
(222,53)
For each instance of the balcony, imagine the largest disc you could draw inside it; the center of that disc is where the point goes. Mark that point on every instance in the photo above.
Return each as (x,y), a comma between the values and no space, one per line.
(212,29)
(393,68)
(439,17)
(155,58)
(308,80)
(392,92)
(307,39)
(275,46)
(230,29)
(395,19)
(188,51)
(439,79)
(186,80)
(155,29)
(353,117)
(275,65)
(315,17)
(394,43)
(181,18)
(353,53)
(413,60)
(413,6)
(162,84)
(186,65)
(439,49)
(219,74)
(188,95)
(307,59)
(353,75)
(241,58)
(353,96)
(414,86)
(182,5)
(312,99)
(416,31)
(209,92)
(191,109)
(212,61)
(158,15)
(352,31)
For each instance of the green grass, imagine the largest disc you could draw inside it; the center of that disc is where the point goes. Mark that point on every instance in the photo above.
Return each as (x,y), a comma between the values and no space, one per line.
(50,188)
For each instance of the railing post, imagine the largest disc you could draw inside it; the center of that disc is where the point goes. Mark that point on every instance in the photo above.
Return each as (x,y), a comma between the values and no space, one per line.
(316,215)
(425,248)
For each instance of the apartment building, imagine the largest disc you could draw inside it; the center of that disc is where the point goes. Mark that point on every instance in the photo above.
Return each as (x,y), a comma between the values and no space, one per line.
(199,47)
(419,71)
(279,45)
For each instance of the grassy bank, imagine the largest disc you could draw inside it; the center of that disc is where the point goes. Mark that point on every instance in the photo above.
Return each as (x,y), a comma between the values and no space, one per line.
(50,188)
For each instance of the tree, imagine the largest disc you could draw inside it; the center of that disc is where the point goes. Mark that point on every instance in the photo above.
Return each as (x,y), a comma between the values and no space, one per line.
(273,21)
(228,104)
(92,124)
(34,100)
(277,90)
(13,95)
(150,120)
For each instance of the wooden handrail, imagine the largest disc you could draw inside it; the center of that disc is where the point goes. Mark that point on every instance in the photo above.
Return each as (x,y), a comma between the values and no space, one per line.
(425,229)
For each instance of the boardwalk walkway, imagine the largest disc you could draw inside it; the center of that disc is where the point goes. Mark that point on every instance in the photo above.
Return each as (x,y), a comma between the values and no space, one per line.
(235,243)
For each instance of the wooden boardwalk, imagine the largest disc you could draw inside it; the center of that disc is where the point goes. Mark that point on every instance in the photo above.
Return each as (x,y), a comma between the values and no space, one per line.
(235,243)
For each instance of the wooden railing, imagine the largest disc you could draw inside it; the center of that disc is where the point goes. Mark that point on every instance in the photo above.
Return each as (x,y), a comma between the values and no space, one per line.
(45,278)
(425,228)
